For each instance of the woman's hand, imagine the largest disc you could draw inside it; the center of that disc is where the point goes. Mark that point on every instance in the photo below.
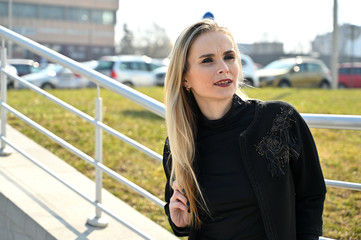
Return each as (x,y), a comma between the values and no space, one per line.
(178,207)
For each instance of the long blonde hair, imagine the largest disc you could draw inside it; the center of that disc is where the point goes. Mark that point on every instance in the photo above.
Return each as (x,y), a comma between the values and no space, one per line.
(181,118)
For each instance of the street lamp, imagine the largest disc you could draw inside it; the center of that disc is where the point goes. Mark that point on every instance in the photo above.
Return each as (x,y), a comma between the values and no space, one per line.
(334,60)
(10,15)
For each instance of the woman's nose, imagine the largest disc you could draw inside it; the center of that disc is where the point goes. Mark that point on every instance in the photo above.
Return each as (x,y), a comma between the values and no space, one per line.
(222,68)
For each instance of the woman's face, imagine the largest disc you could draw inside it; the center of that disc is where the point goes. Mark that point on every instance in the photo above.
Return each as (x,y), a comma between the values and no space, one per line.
(212,69)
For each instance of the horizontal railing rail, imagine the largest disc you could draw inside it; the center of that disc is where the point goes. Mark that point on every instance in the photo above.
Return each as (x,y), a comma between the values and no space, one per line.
(333,121)
(88,118)
(84,156)
(330,121)
(343,184)
(94,76)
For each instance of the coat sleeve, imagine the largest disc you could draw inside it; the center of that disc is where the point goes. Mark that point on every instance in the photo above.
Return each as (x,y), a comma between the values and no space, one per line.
(309,183)
(167,166)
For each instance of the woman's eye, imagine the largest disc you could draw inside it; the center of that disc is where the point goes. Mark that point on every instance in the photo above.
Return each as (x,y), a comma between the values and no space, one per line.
(207,60)
(229,57)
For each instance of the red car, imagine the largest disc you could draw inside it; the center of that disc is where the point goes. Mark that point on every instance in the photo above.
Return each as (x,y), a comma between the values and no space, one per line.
(349,75)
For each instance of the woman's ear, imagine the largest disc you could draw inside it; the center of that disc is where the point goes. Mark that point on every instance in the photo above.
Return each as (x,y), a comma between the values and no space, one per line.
(186,83)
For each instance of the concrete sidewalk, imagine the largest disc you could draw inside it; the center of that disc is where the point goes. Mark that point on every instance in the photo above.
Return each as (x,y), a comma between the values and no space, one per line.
(32,201)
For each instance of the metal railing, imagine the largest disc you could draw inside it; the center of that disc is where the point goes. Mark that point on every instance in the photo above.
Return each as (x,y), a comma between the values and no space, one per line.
(313,120)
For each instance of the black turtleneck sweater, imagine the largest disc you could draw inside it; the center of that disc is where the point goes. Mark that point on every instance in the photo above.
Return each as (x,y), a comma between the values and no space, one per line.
(223,179)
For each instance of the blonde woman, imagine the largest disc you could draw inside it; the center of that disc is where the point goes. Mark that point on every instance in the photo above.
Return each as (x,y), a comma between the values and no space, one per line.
(236,168)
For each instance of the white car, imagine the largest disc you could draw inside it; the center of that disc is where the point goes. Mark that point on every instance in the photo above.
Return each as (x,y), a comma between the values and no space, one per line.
(134,71)
(55,76)
(249,71)
(159,74)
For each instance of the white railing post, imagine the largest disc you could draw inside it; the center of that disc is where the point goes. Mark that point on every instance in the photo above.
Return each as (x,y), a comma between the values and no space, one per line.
(4,149)
(97,219)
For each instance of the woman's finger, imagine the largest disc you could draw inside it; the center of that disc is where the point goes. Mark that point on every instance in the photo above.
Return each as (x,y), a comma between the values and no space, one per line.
(178,205)
(177,196)
(175,187)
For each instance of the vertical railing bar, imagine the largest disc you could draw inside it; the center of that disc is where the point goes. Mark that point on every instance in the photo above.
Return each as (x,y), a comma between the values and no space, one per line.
(3,92)
(98,220)
(98,149)
(4,150)
(2,79)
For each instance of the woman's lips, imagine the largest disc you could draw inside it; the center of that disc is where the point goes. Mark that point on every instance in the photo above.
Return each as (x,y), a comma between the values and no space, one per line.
(223,83)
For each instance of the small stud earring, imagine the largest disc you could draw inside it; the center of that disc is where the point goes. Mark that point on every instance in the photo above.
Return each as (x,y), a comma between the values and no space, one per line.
(188,89)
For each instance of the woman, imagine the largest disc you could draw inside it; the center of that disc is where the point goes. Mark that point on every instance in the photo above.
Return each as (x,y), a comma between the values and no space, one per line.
(236,168)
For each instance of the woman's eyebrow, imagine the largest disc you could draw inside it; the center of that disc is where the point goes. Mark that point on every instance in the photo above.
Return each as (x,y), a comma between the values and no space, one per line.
(228,52)
(206,55)
(212,54)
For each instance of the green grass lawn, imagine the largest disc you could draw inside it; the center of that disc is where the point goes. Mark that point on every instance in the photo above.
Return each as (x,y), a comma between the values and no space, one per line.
(339,150)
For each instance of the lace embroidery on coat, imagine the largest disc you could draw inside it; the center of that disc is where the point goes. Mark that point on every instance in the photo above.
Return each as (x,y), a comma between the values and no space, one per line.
(280,143)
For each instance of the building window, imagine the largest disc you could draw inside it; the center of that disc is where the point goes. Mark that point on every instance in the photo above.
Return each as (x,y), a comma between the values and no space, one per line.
(95,50)
(51,12)
(4,8)
(24,10)
(77,14)
(108,17)
(103,17)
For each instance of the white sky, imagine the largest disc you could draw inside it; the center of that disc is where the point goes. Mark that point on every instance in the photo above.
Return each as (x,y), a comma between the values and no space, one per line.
(293,22)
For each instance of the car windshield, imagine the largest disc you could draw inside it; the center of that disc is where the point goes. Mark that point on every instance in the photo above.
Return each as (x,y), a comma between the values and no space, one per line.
(279,65)
(104,65)
(153,66)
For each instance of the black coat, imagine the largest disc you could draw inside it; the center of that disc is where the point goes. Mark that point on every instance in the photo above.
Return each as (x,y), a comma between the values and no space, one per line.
(281,160)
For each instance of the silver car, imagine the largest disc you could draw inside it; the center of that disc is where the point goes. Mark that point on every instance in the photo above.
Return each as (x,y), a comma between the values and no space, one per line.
(249,71)
(55,76)
(135,71)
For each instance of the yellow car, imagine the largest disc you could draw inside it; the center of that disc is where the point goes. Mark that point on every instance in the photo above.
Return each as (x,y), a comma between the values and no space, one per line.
(295,72)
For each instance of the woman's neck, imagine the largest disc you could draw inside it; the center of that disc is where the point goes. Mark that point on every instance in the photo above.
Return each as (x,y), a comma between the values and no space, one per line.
(216,109)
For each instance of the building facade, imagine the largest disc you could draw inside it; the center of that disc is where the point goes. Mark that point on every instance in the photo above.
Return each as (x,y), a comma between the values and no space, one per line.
(349,42)
(267,48)
(82,29)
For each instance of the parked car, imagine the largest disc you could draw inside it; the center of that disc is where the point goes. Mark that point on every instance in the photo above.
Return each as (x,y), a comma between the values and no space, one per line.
(249,71)
(12,70)
(55,76)
(24,66)
(159,74)
(295,72)
(130,70)
(349,75)
(92,64)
